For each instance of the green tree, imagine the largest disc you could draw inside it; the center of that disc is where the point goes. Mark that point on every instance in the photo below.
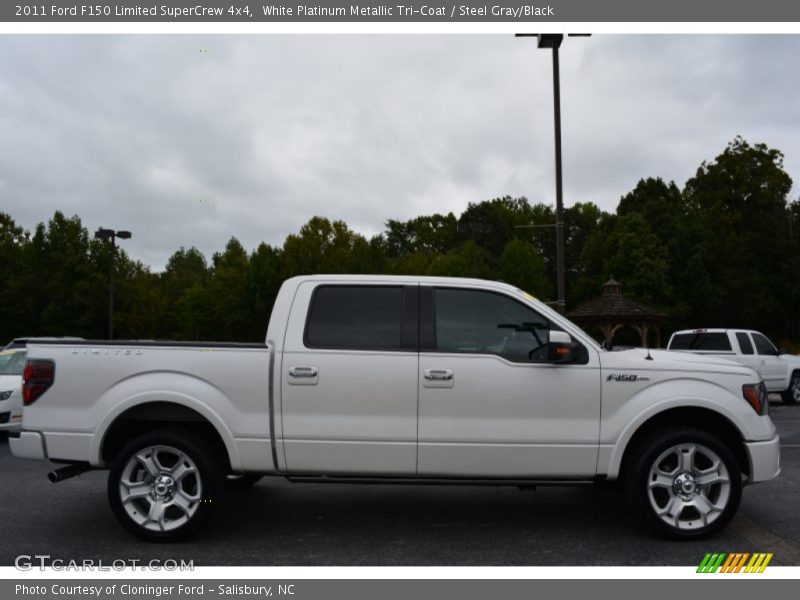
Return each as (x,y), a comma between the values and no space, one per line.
(790,296)
(665,210)
(70,290)
(431,235)
(467,260)
(739,203)
(140,305)
(498,220)
(227,295)
(521,265)
(581,221)
(323,246)
(264,278)
(183,286)
(15,316)
(635,256)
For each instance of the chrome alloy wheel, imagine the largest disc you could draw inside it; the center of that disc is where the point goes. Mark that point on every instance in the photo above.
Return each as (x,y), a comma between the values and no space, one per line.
(796,387)
(160,488)
(688,486)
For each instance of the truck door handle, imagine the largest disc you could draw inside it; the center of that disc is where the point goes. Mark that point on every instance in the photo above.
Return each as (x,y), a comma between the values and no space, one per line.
(438,374)
(304,372)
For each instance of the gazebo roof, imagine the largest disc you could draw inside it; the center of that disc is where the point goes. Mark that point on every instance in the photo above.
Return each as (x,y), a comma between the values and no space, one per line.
(612,305)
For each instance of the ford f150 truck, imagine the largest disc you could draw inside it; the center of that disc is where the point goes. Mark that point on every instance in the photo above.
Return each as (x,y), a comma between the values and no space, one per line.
(780,371)
(401,380)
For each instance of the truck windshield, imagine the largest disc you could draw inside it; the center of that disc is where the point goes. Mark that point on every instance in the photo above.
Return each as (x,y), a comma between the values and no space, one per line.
(12,363)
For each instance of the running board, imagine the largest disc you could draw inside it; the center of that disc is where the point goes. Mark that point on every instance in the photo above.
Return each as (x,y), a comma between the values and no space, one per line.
(521,483)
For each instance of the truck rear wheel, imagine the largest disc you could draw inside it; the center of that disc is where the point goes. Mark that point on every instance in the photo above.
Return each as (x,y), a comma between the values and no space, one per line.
(685,483)
(164,485)
(791,395)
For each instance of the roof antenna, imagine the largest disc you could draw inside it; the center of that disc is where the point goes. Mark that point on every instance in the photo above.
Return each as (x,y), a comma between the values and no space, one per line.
(648,357)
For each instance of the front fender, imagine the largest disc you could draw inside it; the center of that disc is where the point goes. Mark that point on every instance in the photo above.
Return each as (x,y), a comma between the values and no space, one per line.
(622,420)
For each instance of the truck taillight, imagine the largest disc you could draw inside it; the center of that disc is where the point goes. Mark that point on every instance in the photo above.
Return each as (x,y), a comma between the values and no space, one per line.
(37,377)
(757,397)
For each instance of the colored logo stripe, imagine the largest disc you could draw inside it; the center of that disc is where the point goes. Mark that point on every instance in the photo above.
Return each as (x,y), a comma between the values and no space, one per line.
(711,563)
(758,563)
(734,562)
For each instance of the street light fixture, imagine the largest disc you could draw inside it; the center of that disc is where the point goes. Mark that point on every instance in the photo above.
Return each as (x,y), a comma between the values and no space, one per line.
(553,41)
(110,234)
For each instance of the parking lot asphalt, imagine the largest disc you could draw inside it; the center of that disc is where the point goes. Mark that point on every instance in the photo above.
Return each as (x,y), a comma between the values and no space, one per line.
(282,523)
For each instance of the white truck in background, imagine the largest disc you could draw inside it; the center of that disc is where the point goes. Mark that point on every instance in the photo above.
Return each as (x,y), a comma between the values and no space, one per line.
(398,379)
(779,370)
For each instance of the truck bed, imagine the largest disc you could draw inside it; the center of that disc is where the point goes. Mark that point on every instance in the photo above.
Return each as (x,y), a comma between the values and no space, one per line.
(98,380)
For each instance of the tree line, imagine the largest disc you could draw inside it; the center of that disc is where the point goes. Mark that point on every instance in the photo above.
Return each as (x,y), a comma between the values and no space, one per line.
(723,251)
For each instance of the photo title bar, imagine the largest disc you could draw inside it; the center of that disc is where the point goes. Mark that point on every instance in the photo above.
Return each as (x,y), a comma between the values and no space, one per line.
(402,11)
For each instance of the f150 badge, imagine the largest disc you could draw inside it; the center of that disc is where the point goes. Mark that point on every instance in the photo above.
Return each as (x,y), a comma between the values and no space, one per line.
(626,377)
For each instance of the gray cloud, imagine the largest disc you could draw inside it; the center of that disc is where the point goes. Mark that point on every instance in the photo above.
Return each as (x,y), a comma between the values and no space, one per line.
(187,140)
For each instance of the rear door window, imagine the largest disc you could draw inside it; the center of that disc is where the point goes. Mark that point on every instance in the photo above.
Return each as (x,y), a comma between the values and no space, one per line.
(356,317)
(745,345)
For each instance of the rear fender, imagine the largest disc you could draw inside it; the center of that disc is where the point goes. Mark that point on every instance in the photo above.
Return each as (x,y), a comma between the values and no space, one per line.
(196,394)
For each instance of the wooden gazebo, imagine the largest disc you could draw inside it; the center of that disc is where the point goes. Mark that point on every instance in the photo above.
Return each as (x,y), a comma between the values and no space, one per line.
(612,311)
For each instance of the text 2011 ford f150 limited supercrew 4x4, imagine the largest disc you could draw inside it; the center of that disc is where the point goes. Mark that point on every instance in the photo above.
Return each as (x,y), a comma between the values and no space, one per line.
(398,379)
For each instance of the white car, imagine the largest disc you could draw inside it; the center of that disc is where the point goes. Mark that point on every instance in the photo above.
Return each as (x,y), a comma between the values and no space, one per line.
(375,379)
(780,371)
(11,365)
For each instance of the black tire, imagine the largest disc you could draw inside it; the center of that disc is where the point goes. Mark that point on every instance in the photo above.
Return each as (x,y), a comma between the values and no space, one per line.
(200,490)
(791,395)
(236,482)
(659,450)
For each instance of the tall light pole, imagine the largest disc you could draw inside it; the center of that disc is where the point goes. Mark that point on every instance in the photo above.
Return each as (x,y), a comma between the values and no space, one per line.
(110,234)
(553,41)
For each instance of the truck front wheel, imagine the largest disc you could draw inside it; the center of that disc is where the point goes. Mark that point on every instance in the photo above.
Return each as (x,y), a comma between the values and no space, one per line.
(792,394)
(686,483)
(164,484)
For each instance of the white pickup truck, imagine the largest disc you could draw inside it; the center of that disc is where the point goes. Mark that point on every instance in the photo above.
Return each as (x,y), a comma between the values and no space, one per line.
(401,380)
(780,371)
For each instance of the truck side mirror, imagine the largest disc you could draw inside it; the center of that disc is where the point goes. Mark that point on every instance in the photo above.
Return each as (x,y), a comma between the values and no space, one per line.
(561,348)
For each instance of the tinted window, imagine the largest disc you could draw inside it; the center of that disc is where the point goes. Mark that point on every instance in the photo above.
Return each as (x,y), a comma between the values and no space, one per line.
(356,318)
(474,321)
(744,343)
(718,342)
(763,345)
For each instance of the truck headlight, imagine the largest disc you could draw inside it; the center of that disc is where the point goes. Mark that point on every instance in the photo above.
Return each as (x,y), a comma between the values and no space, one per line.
(757,397)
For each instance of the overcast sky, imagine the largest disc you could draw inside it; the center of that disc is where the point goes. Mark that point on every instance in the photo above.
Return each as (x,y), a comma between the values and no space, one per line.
(188,140)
